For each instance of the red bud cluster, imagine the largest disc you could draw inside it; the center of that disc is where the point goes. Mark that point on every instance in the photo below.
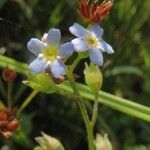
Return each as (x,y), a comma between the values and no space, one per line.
(8,122)
(9,74)
(95,12)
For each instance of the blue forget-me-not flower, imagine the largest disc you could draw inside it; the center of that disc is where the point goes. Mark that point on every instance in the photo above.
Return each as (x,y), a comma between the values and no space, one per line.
(50,53)
(90,39)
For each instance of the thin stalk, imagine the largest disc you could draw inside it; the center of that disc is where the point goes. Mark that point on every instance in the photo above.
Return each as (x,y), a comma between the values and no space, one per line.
(2,88)
(19,92)
(95,110)
(78,98)
(9,93)
(27,101)
(89,127)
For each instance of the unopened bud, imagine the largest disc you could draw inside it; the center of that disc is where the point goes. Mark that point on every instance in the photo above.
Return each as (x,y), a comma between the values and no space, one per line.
(9,74)
(102,142)
(93,77)
(48,142)
(2,50)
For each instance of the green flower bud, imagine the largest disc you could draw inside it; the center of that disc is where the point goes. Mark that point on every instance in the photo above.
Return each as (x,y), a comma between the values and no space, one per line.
(102,142)
(93,77)
(48,142)
(39,148)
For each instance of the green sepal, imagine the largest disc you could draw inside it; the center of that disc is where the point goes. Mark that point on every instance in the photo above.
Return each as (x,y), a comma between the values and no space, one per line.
(41,82)
(93,77)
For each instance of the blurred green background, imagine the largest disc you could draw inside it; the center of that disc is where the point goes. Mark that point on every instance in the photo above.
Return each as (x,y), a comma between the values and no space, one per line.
(126,72)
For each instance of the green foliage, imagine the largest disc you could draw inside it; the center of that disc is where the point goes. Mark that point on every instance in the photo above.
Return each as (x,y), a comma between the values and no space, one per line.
(22,138)
(44,83)
(124,70)
(126,73)
(56,16)
(2,2)
(117,103)
(13,64)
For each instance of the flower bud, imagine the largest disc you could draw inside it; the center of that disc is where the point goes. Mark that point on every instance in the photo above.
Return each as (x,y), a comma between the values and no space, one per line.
(102,142)
(93,77)
(9,74)
(48,142)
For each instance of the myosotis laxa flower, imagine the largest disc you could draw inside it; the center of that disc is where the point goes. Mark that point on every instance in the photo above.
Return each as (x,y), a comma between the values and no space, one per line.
(50,53)
(95,12)
(90,39)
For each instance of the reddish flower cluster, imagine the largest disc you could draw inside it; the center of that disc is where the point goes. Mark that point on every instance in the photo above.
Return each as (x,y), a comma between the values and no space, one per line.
(8,122)
(95,12)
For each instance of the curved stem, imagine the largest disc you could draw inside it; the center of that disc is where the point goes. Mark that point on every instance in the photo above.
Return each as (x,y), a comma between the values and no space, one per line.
(81,105)
(27,101)
(78,98)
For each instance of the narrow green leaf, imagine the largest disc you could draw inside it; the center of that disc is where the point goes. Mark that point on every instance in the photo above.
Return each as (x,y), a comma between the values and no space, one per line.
(117,103)
(125,70)
(114,102)
(13,64)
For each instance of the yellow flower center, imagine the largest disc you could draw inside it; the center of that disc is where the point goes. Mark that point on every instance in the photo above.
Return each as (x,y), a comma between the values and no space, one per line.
(91,40)
(50,52)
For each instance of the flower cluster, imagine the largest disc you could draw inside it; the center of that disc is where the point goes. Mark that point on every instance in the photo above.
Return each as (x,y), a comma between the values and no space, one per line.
(51,55)
(8,122)
(95,12)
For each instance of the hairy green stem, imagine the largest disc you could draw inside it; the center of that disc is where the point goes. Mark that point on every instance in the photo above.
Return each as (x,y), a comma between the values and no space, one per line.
(89,126)
(27,101)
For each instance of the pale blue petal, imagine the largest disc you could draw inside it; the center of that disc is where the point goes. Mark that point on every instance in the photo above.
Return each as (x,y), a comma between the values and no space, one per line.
(78,30)
(96,56)
(35,46)
(57,68)
(54,36)
(79,45)
(66,49)
(106,47)
(96,29)
(38,65)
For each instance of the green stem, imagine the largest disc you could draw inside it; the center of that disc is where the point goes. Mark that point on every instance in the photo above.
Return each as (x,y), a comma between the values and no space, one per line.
(2,88)
(95,110)
(27,101)
(90,136)
(9,93)
(75,63)
(89,127)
